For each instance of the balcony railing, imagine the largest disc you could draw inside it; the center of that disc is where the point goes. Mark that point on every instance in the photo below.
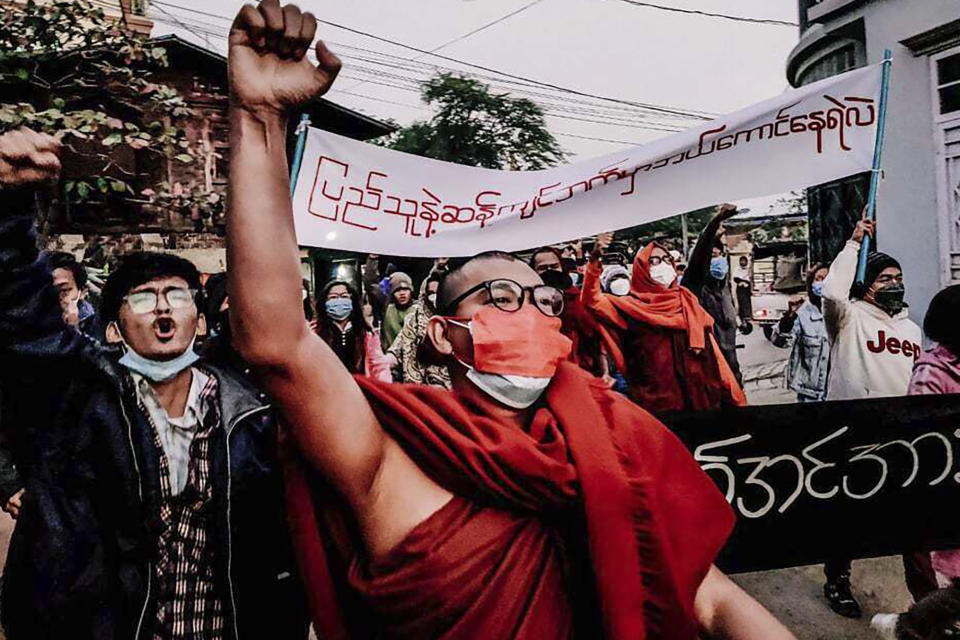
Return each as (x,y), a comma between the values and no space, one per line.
(820,10)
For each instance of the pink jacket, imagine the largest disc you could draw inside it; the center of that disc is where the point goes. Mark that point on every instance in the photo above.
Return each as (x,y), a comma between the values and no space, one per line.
(376,365)
(935,371)
(938,371)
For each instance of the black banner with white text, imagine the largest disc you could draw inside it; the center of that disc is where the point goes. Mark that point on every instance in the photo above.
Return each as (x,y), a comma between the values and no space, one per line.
(809,481)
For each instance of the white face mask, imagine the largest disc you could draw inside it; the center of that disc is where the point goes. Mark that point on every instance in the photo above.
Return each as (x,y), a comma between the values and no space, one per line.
(663,273)
(158,370)
(517,392)
(620,287)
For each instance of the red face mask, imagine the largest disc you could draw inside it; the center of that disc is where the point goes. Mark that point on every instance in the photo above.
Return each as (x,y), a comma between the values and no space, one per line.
(519,343)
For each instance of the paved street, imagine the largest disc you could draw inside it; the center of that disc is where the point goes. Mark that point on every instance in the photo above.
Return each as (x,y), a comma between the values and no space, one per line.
(795,595)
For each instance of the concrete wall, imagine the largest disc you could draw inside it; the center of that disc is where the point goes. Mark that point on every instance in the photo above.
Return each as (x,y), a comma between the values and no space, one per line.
(907,214)
(907,211)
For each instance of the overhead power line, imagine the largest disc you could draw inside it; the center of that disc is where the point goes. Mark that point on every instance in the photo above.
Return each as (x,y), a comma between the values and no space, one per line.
(652,107)
(473,32)
(709,14)
(574,135)
(203,36)
(511,75)
(569,108)
(486,26)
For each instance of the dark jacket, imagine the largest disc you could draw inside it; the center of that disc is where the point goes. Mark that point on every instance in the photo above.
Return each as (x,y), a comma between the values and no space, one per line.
(715,296)
(79,564)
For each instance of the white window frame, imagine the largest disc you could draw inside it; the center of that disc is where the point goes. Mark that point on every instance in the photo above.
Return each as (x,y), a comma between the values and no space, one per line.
(941,123)
(935,87)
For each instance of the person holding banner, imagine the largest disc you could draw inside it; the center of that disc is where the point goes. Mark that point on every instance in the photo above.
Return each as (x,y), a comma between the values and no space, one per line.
(874,343)
(529,502)
(659,337)
(873,346)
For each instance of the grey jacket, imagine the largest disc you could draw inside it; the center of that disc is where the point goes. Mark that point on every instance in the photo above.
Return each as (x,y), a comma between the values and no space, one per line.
(810,356)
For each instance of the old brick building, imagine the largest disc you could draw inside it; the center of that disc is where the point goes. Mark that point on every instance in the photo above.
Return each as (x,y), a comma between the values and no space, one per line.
(100,230)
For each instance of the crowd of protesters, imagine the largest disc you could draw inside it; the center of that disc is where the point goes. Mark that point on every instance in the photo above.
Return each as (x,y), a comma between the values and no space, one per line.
(202,457)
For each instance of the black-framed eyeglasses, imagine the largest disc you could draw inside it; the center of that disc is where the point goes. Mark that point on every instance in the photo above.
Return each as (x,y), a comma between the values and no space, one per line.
(508,295)
(655,260)
(146,301)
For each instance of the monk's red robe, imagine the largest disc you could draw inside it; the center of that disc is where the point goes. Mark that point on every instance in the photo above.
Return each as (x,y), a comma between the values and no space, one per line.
(594,522)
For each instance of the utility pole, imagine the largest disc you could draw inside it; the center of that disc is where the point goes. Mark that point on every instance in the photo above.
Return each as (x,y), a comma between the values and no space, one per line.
(685,233)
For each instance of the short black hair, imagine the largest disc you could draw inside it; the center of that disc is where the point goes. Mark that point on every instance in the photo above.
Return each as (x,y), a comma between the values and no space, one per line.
(135,269)
(812,274)
(546,249)
(940,324)
(331,284)
(64,260)
(454,269)
(215,292)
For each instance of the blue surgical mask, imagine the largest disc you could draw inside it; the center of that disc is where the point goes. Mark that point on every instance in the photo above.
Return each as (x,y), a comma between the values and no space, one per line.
(339,308)
(158,370)
(719,267)
(817,288)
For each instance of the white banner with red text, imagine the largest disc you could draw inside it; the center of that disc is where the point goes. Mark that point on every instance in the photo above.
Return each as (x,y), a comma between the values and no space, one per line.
(360,197)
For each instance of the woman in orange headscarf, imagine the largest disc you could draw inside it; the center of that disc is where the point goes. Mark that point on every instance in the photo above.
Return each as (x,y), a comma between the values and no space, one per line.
(659,337)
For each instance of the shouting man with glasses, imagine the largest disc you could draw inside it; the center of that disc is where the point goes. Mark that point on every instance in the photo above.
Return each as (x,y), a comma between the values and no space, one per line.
(527,502)
(153,504)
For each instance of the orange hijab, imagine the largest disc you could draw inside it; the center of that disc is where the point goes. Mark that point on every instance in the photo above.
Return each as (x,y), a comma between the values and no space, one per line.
(673,307)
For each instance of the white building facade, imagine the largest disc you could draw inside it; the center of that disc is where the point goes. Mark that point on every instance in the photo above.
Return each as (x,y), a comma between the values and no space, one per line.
(918,205)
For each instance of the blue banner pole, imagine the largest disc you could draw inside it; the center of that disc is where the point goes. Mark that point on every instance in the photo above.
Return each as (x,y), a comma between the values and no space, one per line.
(301,132)
(877,153)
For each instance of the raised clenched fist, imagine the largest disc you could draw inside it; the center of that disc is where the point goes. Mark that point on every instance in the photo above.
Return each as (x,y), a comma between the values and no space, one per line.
(726,211)
(269,71)
(601,244)
(28,157)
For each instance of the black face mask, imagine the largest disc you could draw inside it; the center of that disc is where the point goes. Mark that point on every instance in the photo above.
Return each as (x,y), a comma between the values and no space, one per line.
(890,299)
(569,264)
(557,279)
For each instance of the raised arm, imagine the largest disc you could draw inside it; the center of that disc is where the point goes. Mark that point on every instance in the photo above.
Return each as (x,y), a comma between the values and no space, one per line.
(840,277)
(331,420)
(591,295)
(698,266)
(31,320)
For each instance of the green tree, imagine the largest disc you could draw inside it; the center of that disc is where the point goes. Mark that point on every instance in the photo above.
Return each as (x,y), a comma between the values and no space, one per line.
(476,127)
(67,67)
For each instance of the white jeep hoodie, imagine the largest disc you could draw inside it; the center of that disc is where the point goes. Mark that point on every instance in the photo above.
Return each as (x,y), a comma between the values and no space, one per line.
(871,353)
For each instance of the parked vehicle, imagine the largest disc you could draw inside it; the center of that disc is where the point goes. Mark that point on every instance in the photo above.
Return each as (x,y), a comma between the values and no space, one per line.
(777,275)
